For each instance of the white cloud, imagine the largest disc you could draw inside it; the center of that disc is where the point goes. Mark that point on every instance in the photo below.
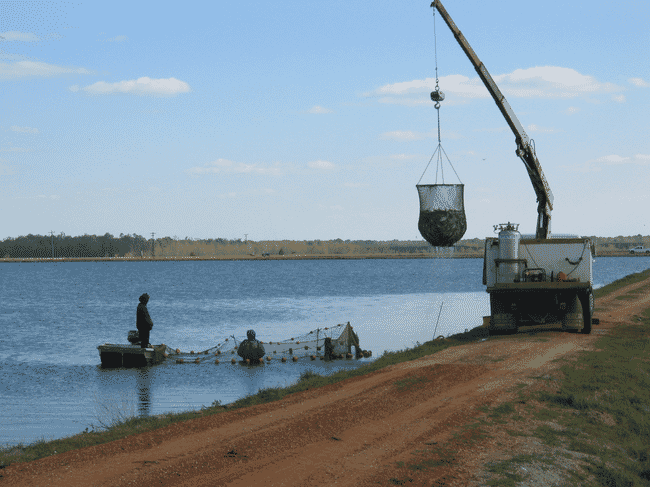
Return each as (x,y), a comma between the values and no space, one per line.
(40,197)
(571,110)
(537,82)
(140,86)
(404,157)
(117,39)
(240,194)
(229,167)
(409,102)
(595,165)
(15,149)
(455,83)
(494,129)
(619,98)
(18,36)
(537,128)
(321,165)
(404,135)
(318,109)
(32,68)
(587,166)
(24,130)
(639,82)
(612,159)
(6,170)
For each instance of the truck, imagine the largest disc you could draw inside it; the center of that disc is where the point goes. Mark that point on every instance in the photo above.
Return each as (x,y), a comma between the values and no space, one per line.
(531,281)
(639,249)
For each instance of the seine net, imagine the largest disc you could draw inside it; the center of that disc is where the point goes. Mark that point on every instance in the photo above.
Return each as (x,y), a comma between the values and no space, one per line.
(442,220)
(312,343)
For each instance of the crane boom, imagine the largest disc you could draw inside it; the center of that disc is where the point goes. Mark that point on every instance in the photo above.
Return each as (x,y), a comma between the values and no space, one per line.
(525,147)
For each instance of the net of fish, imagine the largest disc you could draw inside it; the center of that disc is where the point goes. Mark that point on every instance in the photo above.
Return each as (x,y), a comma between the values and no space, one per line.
(442,220)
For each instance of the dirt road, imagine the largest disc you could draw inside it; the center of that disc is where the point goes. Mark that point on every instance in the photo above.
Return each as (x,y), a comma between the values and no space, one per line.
(351,433)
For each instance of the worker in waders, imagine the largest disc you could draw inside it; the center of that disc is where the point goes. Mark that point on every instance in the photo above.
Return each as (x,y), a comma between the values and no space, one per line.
(251,348)
(143,321)
(329,349)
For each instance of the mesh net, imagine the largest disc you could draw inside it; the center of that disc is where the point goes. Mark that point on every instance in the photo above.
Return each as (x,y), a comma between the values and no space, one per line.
(442,220)
(312,343)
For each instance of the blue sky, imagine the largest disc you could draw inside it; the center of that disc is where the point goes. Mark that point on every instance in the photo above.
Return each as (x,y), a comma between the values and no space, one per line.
(312,120)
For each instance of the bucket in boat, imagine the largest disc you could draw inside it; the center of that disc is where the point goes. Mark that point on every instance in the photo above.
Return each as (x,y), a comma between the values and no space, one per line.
(442,220)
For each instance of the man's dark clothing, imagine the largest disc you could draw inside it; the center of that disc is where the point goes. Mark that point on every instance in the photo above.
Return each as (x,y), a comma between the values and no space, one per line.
(144,324)
(251,348)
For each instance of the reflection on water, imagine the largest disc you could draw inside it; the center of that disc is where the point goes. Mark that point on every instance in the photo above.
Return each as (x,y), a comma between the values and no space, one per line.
(144,392)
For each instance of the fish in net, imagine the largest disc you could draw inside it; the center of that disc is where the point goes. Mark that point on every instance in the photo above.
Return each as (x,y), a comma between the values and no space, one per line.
(442,220)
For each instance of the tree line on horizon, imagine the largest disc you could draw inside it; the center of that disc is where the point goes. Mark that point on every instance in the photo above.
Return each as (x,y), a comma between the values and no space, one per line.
(133,245)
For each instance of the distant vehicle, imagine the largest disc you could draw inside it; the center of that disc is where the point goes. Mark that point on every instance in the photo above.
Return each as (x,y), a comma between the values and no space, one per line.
(639,249)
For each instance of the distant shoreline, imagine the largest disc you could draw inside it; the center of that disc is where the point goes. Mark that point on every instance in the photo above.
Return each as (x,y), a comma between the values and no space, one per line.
(269,257)
(242,257)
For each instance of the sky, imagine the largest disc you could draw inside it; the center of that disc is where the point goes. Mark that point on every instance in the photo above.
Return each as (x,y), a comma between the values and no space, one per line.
(295,120)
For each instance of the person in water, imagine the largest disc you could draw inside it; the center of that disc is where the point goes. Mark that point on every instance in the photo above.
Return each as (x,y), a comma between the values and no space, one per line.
(143,321)
(250,348)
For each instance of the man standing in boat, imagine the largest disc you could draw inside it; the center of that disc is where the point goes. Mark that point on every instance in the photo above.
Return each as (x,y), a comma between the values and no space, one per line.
(143,321)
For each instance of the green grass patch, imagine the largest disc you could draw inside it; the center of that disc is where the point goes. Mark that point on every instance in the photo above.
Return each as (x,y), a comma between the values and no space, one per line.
(502,410)
(619,283)
(600,406)
(410,382)
(515,433)
(507,469)
(437,459)
(626,297)
(615,383)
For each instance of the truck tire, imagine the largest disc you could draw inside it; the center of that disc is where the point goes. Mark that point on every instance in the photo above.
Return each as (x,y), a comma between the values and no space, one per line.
(586,302)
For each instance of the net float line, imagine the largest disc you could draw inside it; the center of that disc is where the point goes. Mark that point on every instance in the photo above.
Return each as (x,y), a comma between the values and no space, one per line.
(309,346)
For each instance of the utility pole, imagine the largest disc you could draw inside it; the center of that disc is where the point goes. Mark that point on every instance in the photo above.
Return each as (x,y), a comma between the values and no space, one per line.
(245,238)
(52,235)
(153,245)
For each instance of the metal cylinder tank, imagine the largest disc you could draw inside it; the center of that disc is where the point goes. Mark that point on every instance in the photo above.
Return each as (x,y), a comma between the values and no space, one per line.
(509,237)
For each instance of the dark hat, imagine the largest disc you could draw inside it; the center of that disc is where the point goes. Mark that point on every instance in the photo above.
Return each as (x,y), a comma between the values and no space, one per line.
(144,298)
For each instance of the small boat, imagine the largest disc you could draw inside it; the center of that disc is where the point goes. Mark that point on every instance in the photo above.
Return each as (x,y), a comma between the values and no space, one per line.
(121,355)
(131,355)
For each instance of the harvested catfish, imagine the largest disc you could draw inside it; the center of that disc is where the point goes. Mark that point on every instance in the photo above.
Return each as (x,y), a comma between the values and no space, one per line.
(442,220)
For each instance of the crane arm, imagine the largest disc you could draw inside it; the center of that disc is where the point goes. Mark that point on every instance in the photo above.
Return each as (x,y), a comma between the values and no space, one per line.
(525,147)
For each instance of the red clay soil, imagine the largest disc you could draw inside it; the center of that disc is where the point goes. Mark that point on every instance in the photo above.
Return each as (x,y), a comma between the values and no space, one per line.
(353,433)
